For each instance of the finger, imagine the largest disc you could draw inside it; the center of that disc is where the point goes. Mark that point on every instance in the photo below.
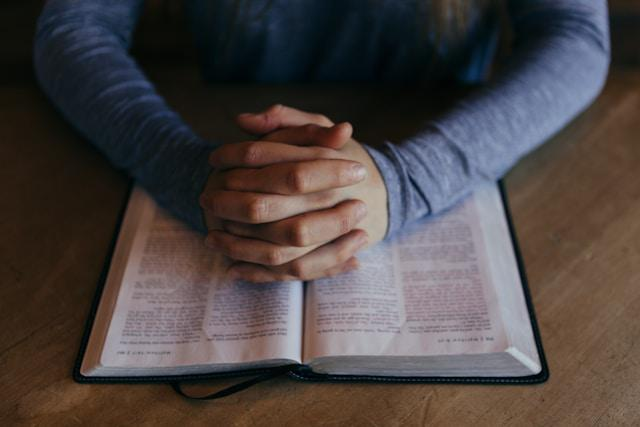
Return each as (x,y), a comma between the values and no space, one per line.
(307,229)
(350,265)
(310,134)
(296,178)
(258,208)
(260,274)
(278,116)
(252,250)
(255,273)
(254,154)
(314,264)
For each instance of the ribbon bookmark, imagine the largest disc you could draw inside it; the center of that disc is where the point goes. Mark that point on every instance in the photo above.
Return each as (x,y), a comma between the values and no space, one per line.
(177,386)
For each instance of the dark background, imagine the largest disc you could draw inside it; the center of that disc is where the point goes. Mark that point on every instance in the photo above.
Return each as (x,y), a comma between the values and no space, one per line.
(162,38)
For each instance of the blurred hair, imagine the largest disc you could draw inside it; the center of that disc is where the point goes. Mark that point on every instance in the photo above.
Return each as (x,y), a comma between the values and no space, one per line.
(448,25)
(451,19)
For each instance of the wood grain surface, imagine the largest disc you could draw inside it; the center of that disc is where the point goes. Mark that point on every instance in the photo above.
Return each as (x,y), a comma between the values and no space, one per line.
(576,209)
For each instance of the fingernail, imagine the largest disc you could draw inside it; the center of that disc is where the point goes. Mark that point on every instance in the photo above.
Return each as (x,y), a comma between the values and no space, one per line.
(245,114)
(361,211)
(358,172)
(345,126)
(363,238)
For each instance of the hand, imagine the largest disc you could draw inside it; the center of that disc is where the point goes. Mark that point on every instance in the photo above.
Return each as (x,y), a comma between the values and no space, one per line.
(291,126)
(279,180)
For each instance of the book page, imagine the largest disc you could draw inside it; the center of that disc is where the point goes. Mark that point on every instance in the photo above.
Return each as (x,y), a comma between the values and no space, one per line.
(426,292)
(506,273)
(174,308)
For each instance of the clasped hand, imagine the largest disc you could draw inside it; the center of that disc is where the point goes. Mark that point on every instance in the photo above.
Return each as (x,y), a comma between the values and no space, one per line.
(296,204)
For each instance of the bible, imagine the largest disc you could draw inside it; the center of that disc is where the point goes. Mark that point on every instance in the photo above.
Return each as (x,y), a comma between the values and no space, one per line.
(444,301)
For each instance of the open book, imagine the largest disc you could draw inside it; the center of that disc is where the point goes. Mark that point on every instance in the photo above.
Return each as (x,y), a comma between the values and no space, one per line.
(444,299)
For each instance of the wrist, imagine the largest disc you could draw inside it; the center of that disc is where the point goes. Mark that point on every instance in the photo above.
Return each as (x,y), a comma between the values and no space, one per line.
(388,174)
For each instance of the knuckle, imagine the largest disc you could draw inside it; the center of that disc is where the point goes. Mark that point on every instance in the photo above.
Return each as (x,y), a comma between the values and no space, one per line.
(271,115)
(274,257)
(299,234)
(297,269)
(296,180)
(230,181)
(257,210)
(274,109)
(251,153)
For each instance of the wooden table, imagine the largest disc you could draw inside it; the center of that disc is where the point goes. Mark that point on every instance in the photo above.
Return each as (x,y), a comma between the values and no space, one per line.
(576,207)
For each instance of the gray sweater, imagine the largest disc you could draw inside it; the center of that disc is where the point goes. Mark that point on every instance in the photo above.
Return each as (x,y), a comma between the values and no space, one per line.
(558,65)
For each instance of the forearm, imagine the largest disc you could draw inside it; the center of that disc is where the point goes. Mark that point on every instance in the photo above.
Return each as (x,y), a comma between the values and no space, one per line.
(558,66)
(82,64)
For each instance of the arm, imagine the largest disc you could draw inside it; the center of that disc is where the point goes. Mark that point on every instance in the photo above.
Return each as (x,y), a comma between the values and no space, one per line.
(558,66)
(82,63)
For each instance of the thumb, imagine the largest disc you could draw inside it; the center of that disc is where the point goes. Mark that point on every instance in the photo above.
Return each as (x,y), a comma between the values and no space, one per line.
(278,116)
(334,137)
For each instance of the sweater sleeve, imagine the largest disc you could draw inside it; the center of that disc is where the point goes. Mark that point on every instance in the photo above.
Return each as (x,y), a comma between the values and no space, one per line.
(82,63)
(557,67)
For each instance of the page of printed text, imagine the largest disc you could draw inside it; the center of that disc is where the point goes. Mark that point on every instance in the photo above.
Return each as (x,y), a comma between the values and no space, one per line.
(426,292)
(174,307)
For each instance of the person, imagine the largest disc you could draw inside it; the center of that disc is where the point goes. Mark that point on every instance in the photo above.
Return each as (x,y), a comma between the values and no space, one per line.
(300,198)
